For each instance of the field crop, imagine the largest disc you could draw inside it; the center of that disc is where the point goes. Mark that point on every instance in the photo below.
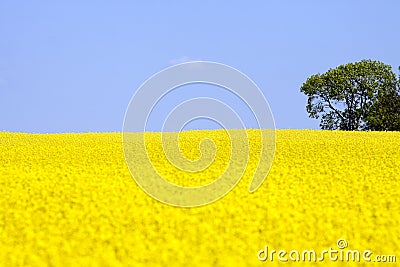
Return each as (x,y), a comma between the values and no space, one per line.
(69,200)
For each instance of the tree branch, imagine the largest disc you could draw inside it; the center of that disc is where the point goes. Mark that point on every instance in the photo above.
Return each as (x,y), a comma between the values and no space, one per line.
(331,107)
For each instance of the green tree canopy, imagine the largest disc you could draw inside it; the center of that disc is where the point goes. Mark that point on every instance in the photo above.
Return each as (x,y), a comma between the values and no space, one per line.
(357,96)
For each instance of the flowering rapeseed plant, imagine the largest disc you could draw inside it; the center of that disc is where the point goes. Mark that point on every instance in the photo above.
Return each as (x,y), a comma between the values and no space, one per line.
(69,200)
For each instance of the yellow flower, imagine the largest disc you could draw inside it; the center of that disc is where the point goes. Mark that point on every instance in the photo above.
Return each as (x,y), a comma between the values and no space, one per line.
(69,200)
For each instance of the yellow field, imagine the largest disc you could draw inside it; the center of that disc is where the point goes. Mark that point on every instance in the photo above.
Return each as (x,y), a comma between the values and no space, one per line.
(69,200)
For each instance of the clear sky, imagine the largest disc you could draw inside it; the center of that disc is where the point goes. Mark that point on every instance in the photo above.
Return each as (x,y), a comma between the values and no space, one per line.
(73,66)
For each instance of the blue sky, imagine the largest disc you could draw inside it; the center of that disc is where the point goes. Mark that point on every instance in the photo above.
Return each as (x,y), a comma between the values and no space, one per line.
(73,66)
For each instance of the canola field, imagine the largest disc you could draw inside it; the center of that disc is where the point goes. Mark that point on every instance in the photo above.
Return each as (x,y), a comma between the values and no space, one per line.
(70,200)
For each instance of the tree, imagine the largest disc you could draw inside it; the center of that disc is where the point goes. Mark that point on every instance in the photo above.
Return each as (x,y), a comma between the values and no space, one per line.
(346,98)
(384,114)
